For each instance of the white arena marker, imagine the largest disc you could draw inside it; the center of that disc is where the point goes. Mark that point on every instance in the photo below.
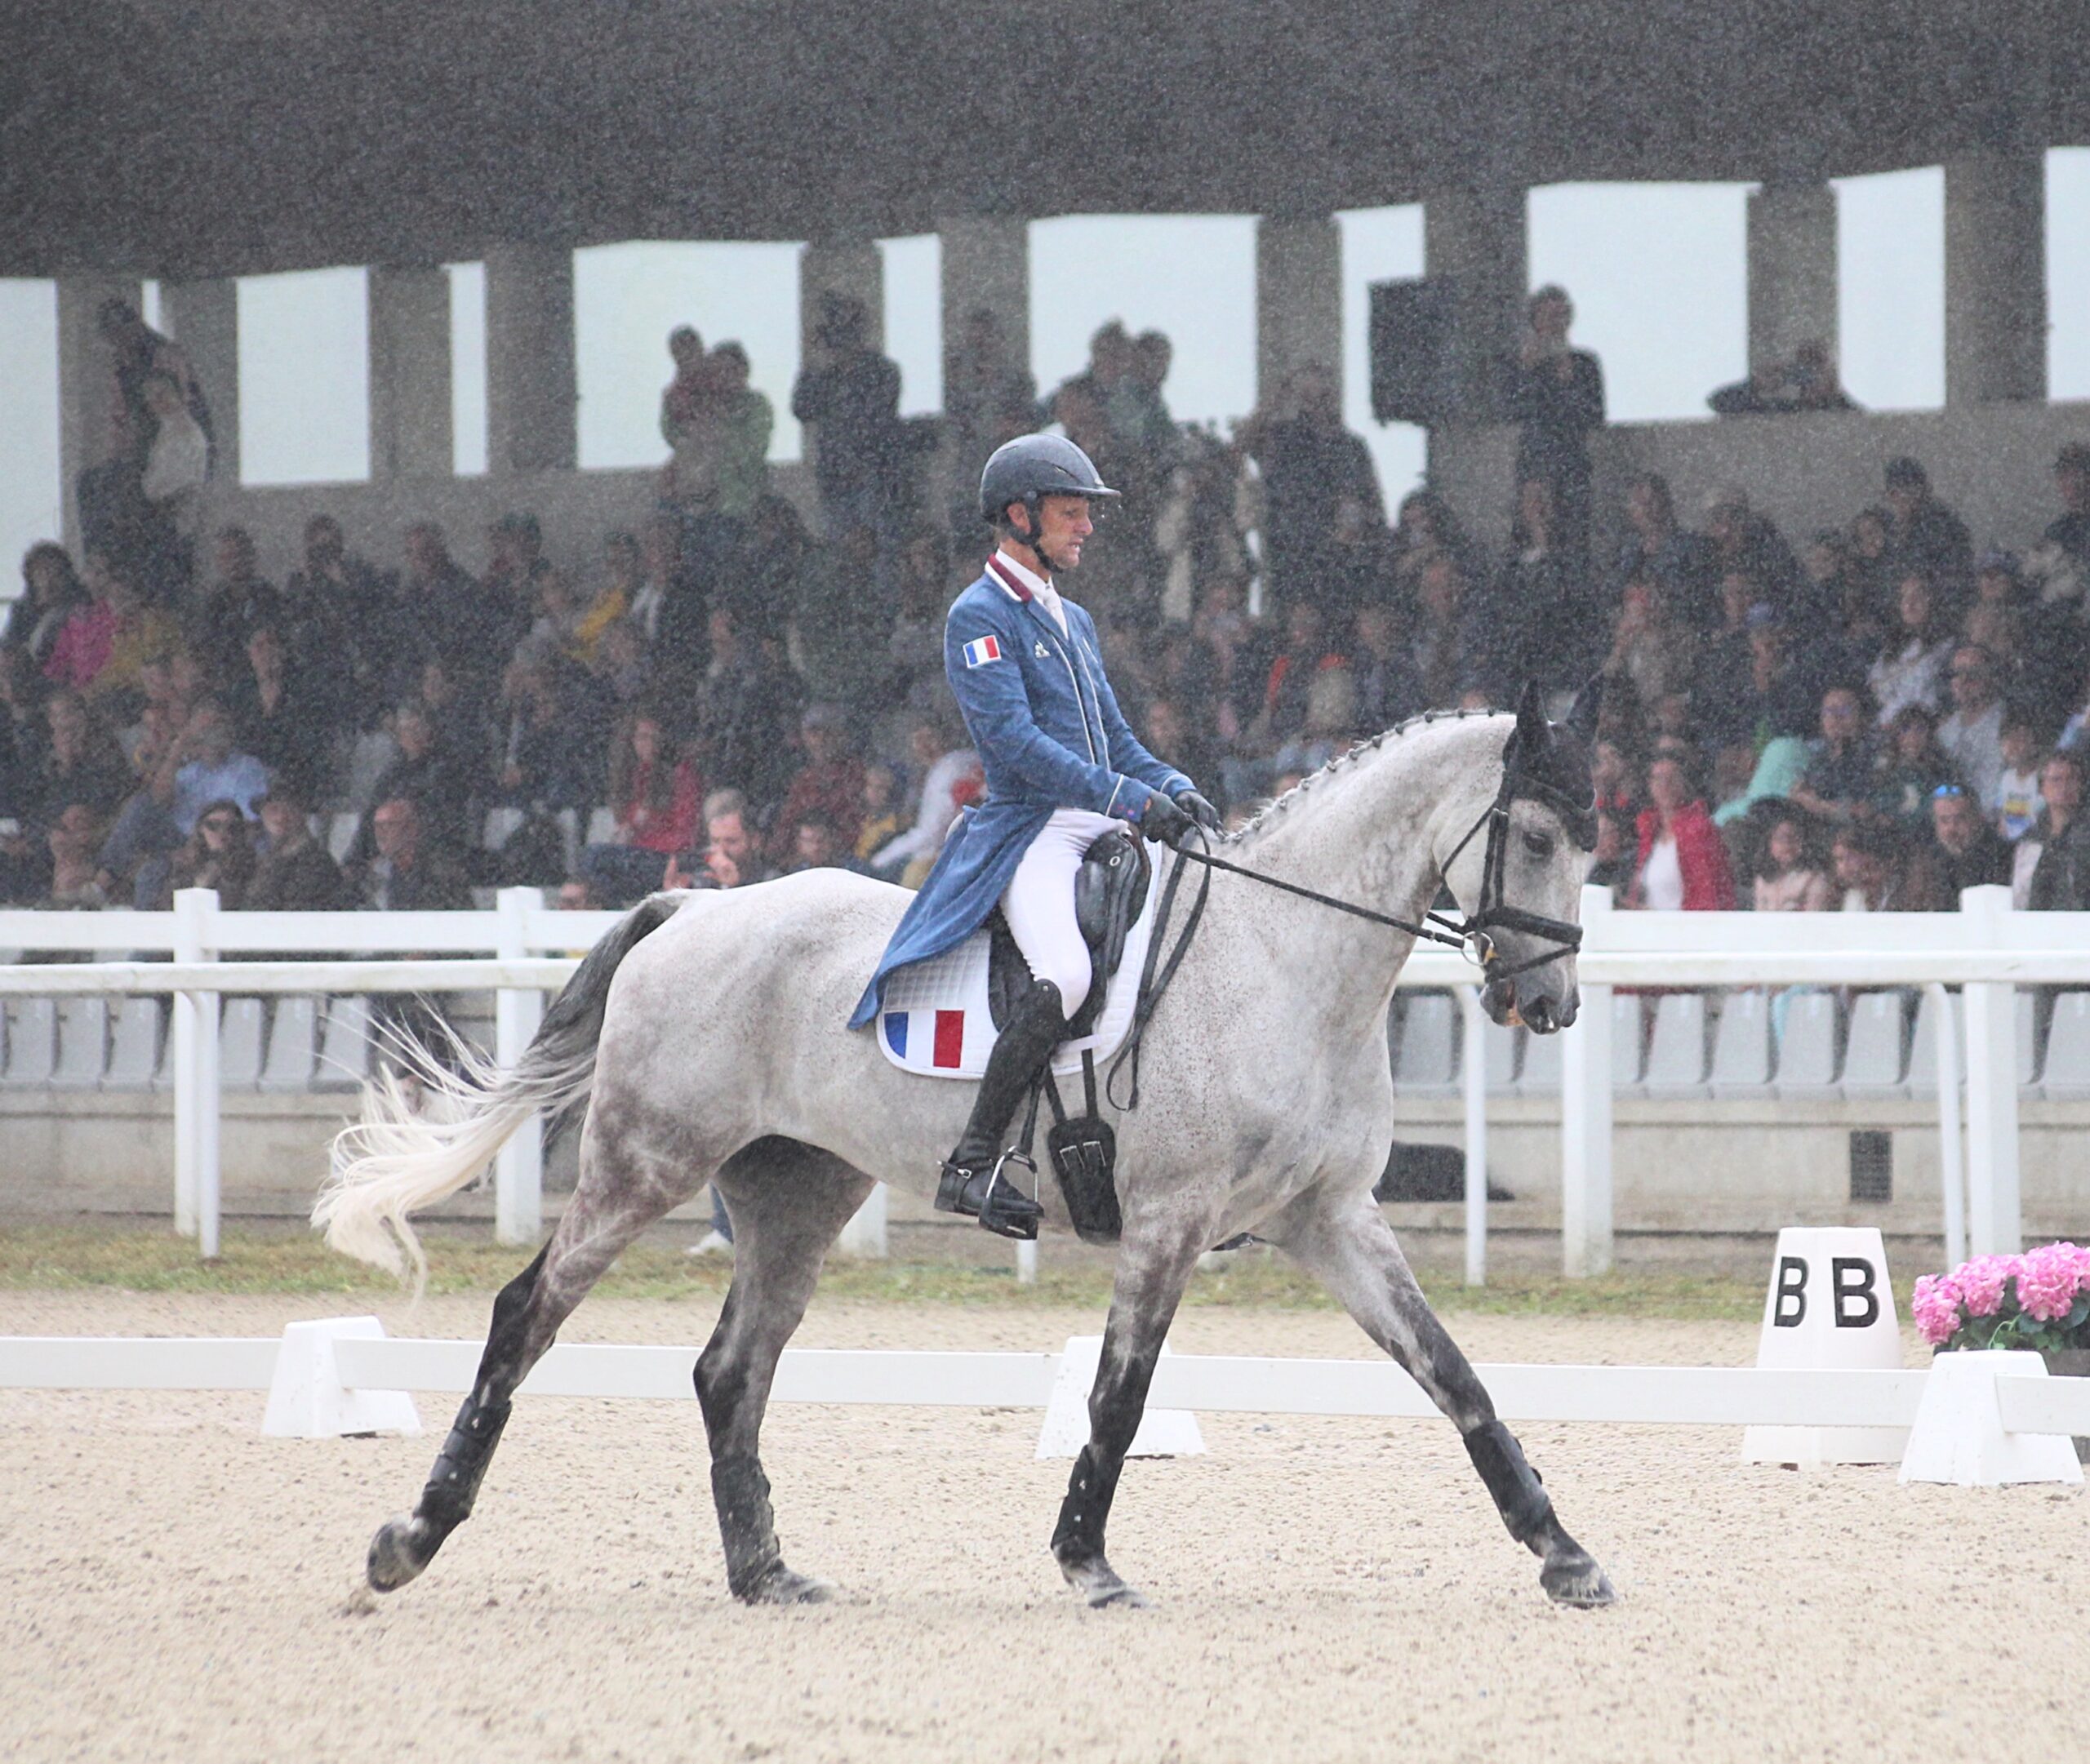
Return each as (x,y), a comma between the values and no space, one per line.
(1163,1432)
(1959,1436)
(1830,1307)
(307,1399)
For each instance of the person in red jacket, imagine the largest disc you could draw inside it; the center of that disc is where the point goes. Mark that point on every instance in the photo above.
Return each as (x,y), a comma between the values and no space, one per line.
(1683,863)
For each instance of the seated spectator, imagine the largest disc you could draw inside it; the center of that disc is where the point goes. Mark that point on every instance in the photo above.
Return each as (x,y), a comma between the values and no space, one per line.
(1841,782)
(816,844)
(73,882)
(1388,691)
(410,872)
(431,773)
(831,780)
(655,797)
(1425,530)
(1972,735)
(278,715)
(950,775)
(2059,568)
(51,593)
(1963,851)
(1615,778)
(881,820)
(1788,880)
(225,616)
(219,854)
(80,763)
(731,858)
(1869,868)
(1657,549)
(1648,647)
(203,765)
(1911,771)
(1910,670)
(1610,863)
(1308,650)
(1927,539)
(470,628)
(548,759)
(1779,771)
(624,668)
(1808,382)
(295,873)
(1443,655)
(2015,807)
(1541,622)
(1682,864)
(2052,870)
(1744,543)
(748,700)
(341,627)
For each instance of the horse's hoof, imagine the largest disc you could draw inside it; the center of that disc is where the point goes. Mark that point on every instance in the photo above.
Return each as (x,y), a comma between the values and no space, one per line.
(393,1559)
(1100,1586)
(1573,1578)
(781,1586)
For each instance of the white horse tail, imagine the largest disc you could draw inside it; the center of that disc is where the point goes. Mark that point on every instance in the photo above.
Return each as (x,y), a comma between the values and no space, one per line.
(400,1158)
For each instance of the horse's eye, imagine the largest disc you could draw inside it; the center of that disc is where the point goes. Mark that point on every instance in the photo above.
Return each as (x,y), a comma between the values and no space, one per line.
(1539,845)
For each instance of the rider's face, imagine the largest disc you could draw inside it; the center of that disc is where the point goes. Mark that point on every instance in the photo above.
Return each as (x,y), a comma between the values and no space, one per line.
(1066,526)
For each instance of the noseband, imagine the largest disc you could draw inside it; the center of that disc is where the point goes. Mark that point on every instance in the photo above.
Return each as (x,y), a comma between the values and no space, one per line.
(1495,913)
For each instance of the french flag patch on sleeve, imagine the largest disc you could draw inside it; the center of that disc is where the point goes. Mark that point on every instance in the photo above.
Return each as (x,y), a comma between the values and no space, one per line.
(982,649)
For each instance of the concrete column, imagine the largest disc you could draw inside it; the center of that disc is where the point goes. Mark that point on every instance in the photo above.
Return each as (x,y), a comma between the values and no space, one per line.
(1792,270)
(986,263)
(1995,276)
(409,373)
(87,392)
(1474,243)
(1298,297)
(203,317)
(533,396)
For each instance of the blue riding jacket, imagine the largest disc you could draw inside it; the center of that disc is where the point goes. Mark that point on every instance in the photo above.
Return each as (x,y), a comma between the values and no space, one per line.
(1049,735)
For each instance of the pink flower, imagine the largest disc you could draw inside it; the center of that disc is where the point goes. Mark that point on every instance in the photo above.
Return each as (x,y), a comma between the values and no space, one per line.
(1936,1308)
(1982,1281)
(2047,1281)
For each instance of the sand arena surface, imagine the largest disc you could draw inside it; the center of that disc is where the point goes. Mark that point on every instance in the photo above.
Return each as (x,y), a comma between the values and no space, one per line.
(176,1587)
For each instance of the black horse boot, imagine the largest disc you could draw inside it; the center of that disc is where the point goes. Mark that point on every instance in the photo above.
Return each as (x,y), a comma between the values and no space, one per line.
(972,1182)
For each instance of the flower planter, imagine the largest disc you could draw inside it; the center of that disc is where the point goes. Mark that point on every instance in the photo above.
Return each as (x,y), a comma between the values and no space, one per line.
(2071,1362)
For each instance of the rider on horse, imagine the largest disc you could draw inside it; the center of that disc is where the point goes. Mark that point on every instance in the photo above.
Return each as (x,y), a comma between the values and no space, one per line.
(1063,768)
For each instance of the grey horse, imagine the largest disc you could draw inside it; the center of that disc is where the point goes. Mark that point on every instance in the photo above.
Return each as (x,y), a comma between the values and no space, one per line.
(704,1037)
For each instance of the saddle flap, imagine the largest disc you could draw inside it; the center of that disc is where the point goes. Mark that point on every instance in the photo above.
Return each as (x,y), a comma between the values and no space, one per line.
(1111,888)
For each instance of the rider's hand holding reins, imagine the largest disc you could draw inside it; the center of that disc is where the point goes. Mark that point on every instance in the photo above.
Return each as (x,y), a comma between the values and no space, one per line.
(1199,810)
(1164,820)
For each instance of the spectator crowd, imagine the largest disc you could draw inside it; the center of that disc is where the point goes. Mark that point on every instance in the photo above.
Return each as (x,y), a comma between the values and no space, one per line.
(1870,717)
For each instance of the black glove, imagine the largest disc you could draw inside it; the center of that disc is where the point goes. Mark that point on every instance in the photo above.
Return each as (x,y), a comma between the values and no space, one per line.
(1199,810)
(1161,820)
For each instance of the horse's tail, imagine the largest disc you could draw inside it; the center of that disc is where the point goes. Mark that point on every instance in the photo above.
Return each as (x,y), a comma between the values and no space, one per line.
(400,1158)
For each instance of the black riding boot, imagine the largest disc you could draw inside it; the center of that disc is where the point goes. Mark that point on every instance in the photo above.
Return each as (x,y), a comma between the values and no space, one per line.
(972,1183)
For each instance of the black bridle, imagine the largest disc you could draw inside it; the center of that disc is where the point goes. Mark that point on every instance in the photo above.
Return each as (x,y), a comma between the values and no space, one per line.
(1471,934)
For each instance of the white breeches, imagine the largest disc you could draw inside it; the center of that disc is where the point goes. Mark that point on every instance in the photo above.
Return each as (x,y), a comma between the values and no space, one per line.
(1039,902)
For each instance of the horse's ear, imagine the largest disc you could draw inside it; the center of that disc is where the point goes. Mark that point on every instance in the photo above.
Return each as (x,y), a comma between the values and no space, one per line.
(1581,721)
(1533,731)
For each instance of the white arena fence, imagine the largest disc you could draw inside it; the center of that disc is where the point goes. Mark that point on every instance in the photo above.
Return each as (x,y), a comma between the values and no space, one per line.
(521,950)
(344,1376)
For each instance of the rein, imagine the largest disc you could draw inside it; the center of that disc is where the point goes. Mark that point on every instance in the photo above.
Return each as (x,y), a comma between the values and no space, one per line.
(1469,934)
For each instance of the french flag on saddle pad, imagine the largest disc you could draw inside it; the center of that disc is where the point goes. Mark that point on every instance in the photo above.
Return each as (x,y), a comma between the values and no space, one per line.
(946,1030)
(982,649)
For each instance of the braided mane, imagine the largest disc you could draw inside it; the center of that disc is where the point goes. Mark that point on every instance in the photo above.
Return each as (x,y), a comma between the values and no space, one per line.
(1350,756)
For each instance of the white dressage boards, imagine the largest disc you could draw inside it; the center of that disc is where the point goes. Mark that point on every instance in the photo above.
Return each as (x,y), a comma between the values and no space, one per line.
(1984,1418)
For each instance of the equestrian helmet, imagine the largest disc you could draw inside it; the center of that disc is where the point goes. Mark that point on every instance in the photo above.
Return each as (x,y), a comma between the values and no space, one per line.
(1032,466)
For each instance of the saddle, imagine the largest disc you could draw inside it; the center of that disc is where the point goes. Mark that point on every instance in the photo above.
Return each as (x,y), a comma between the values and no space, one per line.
(1109,889)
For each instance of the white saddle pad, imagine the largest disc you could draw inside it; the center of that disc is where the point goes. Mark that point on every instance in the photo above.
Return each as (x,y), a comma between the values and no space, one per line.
(936,1021)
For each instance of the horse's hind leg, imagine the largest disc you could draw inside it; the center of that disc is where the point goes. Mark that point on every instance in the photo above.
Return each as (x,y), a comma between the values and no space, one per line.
(788,1201)
(1347,1241)
(610,1209)
(1153,1266)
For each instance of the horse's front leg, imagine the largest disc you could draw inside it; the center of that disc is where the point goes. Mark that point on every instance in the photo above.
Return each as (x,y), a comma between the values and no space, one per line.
(1345,1240)
(1154,1264)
